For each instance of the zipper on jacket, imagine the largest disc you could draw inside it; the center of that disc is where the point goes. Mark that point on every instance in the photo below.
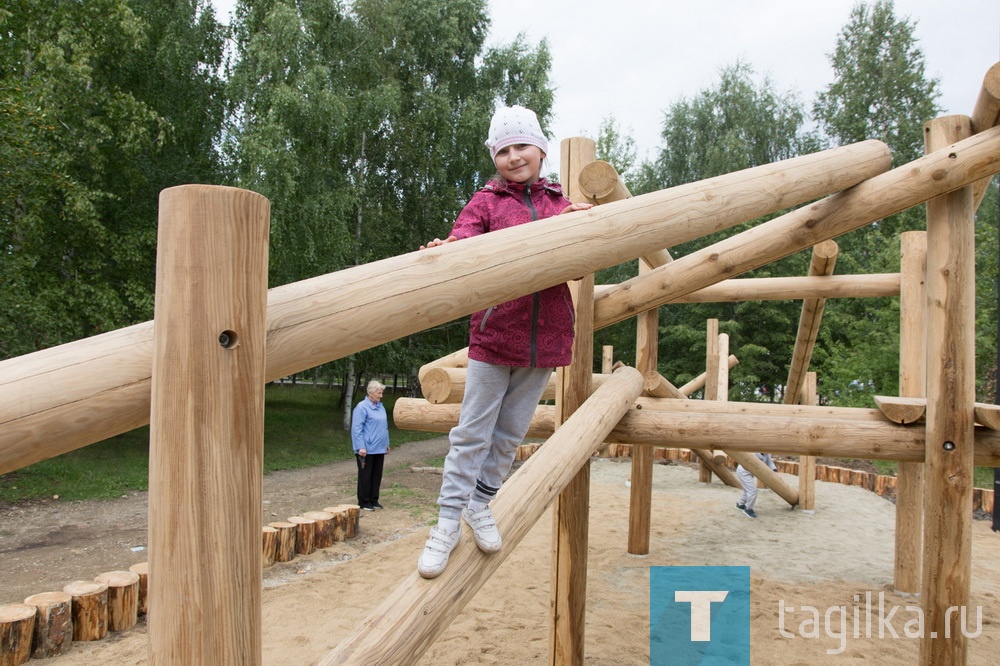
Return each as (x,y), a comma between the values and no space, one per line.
(536,300)
(486,315)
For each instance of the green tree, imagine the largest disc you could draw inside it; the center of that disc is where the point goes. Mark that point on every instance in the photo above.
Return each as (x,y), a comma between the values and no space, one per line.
(736,124)
(880,91)
(85,121)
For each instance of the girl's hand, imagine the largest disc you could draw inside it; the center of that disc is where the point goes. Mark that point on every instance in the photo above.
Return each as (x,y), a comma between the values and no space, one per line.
(575,207)
(438,241)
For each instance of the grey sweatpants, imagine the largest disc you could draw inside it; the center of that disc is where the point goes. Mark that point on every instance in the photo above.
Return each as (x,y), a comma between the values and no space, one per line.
(748,497)
(496,413)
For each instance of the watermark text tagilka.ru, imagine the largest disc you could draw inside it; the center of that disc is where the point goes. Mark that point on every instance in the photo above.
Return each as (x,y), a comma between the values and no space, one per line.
(869,621)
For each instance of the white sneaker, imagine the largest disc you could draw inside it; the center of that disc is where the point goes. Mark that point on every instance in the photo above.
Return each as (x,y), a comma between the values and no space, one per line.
(484,529)
(436,551)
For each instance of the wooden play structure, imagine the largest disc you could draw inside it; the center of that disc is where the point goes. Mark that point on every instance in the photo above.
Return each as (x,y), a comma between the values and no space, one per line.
(197,372)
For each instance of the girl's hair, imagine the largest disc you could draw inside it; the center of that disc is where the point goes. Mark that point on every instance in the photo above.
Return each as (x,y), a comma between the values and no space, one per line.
(374,385)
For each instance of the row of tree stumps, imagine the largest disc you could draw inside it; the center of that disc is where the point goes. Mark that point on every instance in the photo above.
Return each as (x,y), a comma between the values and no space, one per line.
(47,624)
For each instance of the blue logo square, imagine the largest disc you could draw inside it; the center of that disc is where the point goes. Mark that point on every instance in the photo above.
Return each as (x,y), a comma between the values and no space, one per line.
(699,615)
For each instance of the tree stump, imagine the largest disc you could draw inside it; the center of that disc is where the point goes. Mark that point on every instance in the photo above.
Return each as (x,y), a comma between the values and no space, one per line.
(123,598)
(350,515)
(89,609)
(324,527)
(269,544)
(17,622)
(53,624)
(338,525)
(305,534)
(285,550)
(142,571)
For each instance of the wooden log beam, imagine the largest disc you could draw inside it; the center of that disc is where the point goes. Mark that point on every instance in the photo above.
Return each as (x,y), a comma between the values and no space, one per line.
(880,196)
(985,115)
(807,464)
(951,391)
(104,385)
(718,467)
(408,621)
(908,555)
(734,426)
(647,344)
(902,409)
(443,385)
(699,381)
(824,259)
(766,475)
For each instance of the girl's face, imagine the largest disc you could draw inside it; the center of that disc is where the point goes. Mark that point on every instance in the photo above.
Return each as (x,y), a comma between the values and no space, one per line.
(520,163)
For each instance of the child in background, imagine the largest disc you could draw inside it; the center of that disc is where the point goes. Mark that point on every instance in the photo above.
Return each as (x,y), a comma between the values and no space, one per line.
(513,346)
(749,482)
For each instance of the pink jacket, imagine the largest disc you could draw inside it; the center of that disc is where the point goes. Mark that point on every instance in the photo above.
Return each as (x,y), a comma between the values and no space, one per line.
(535,330)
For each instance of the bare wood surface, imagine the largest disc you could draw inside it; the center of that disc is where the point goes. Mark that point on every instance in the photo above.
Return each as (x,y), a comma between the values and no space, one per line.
(408,621)
(824,260)
(314,321)
(734,426)
(285,547)
(951,368)
(324,527)
(986,114)
(268,546)
(123,598)
(712,387)
(874,285)
(807,464)
(901,409)
(53,624)
(647,342)
(142,571)
(571,510)
(305,534)
(766,475)
(89,608)
(712,462)
(873,199)
(699,381)
(17,622)
(206,443)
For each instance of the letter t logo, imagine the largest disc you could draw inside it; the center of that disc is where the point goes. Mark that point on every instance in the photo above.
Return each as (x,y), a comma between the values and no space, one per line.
(701,610)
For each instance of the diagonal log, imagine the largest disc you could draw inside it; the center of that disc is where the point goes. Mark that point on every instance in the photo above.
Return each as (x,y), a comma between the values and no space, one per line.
(400,630)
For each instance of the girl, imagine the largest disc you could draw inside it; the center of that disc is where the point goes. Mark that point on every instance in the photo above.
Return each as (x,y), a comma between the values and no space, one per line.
(513,347)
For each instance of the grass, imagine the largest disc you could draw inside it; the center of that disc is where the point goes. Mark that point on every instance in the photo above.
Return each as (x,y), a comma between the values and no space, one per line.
(982,476)
(302,428)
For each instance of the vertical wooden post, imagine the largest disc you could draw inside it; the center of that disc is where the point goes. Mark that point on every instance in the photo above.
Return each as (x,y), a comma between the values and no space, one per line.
(711,381)
(647,337)
(206,434)
(912,374)
(571,510)
(807,464)
(950,406)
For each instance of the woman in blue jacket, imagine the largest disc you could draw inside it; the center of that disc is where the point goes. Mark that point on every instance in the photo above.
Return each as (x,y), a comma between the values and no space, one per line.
(370,438)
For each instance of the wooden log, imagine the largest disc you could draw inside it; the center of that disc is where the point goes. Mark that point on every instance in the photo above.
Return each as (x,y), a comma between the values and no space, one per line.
(766,475)
(409,619)
(268,546)
(17,622)
(951,367)
(324,527)
(988,415)
(53,624)
(89,609)
(876,285)
(733,426)
(305,534)
(699,381)
(447,385)
(346,515)
(647,342)
(806,467)
(901,409)
(285,548)
(315,321)
(712,388)
(810,412)
(824,259)
(456,359)
(142,571)
(986,114)
(600,183)
(908,557)
(989,500)
(719,469)
(123,598)
(338,526)
(206,442)
(871,200)
(571,510)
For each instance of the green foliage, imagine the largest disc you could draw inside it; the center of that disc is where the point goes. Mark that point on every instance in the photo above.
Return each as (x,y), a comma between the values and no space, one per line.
(301,429)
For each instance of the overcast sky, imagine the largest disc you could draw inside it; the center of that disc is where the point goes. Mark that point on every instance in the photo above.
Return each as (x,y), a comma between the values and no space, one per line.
(632,59)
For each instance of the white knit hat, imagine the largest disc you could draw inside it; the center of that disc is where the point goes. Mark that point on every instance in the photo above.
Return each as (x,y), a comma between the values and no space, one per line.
(515,124)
